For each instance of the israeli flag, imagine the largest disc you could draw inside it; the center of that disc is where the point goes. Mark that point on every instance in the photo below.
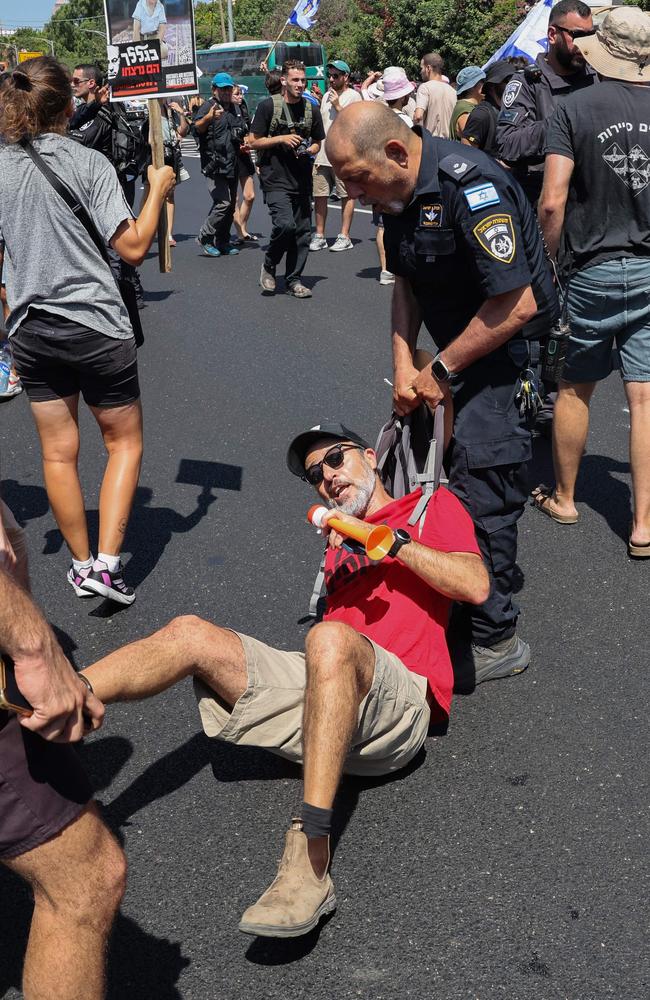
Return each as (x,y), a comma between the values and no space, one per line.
(529,39)
(304,14)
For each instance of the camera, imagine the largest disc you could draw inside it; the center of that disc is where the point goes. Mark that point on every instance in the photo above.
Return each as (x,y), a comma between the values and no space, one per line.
(302,149)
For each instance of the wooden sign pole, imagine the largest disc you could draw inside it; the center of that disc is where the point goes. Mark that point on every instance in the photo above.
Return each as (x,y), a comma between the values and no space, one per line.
(158,160)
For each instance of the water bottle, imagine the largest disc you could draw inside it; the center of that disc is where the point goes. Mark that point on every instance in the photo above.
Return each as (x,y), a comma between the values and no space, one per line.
(5,366)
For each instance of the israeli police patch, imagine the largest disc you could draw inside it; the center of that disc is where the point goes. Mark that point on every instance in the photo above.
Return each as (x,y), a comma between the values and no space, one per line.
(496,235)
(431,216)
(511,93)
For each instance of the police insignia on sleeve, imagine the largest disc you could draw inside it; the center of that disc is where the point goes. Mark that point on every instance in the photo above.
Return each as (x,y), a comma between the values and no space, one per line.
(511,93)
(496,235)
(431,216)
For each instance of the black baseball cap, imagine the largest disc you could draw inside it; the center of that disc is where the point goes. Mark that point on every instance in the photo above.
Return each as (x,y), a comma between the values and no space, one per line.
(300,445)
(499,71)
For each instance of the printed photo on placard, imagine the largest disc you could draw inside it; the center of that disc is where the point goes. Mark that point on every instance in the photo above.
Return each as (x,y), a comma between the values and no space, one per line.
(132,24)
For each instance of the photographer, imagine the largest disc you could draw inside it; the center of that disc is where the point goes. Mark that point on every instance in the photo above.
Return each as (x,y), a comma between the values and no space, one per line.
(287,131)
(220,133)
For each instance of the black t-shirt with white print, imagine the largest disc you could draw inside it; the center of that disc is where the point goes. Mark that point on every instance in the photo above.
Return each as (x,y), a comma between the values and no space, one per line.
(605,130)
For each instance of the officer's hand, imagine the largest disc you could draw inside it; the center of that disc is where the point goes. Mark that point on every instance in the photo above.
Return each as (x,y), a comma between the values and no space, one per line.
(292,140)
(103,94)
(429,390)
(217,112)
(405,398)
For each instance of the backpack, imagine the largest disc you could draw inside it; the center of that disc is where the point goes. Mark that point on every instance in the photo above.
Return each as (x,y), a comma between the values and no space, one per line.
(409,451)
(282,117)
(128,148)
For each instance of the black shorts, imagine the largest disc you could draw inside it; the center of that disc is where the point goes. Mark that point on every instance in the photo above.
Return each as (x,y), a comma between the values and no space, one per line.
(56,357)
(43,788)
(246,165)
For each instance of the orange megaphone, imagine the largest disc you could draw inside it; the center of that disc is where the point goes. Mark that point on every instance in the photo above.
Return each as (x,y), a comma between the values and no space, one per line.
(377,538)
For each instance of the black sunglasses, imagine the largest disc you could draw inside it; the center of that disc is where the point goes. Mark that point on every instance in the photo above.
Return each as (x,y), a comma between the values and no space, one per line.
(79,79)
(576,32)
(333,459)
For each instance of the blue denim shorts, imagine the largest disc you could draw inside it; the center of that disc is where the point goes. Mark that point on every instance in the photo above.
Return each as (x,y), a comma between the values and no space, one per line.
(609,304)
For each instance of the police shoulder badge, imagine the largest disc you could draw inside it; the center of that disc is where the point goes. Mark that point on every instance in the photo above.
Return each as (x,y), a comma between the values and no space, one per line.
(511,93)
(431,216)
(496,235)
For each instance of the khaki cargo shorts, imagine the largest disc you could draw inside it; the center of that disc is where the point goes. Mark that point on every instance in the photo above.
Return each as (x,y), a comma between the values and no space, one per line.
(325,180)
(392,723)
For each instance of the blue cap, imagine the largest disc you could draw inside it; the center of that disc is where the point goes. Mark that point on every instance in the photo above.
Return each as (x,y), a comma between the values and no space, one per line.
(468,77)
(222,80)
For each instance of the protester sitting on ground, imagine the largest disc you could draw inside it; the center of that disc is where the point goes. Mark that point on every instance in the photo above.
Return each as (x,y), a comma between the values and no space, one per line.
(469,93)
(435,100)
(69,330)
(373,673)
(175,127)
(51,833)
(244,207)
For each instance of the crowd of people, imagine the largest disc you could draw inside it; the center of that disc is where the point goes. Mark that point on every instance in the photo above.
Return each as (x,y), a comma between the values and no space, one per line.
(512,210)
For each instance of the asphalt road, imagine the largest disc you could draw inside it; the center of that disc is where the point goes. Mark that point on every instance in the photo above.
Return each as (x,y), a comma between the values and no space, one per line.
(512,861)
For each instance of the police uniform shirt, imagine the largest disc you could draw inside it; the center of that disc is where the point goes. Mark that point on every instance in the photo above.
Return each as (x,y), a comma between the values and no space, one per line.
(606,132)
(467,235)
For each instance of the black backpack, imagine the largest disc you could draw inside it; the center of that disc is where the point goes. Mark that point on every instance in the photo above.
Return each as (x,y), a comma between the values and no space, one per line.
(128,147)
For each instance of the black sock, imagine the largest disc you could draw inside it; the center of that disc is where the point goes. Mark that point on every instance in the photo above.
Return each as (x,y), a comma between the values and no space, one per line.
(316,822)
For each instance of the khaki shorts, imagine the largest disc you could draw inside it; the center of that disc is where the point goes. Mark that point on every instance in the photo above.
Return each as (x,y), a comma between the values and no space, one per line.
(325,180)
(392,723)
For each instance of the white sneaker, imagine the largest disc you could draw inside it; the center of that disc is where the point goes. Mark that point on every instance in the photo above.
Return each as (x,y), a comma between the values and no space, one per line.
(341,243)
(386,278)
(318,242)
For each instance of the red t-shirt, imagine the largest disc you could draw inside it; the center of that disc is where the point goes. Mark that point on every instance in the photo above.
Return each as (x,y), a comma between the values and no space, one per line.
(390,604)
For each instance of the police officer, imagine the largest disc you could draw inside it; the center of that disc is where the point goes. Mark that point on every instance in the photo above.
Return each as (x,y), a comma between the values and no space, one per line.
(533,94)
(463,242)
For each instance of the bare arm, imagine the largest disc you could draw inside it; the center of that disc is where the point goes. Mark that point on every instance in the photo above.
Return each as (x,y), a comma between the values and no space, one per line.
(266,141)
(418,116)
(133,237)
(552,203)
(43,674)
(136,30)
(498,319)
(460,576)
(406,319)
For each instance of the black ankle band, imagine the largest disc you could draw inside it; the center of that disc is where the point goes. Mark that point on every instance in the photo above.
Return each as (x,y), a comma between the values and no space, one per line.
(316,822)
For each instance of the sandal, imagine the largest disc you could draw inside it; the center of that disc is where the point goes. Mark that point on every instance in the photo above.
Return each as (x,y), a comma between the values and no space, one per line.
(541,499)
(249,238)
(638,551)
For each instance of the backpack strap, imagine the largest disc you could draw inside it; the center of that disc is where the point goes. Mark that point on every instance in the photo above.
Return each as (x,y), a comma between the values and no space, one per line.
(317,591)
(278,112)
(431,477)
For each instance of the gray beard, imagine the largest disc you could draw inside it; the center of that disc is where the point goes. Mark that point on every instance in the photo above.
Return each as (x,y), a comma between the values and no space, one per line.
(358,505)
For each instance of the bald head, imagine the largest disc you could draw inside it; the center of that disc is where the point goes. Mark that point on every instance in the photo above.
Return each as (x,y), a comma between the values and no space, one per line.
(375,154)
(366,127)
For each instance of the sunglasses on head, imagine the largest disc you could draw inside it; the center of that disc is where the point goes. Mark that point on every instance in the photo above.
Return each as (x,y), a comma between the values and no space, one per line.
(333,459)
(576,32)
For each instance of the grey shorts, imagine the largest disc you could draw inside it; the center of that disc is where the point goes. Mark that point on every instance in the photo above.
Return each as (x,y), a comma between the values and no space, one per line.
(393,718)
(609,304)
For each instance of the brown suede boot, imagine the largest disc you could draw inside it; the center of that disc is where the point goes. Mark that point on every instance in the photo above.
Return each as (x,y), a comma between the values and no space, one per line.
(296,899)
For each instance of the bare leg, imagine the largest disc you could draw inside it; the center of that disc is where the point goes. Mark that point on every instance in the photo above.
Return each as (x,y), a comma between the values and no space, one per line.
(121,428)
(171,206)
(638,397)
(187,646)
(379,239)
(78,879)
(340,668)
(320,211)
(570,428)
(246,205)
(58,428)
(347,215)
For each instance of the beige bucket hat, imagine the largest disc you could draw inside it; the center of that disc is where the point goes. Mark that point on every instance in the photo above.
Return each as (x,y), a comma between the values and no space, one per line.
(620,47)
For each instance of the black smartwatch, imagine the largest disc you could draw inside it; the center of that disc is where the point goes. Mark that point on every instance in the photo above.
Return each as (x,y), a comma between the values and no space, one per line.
(401,538)
(440,371)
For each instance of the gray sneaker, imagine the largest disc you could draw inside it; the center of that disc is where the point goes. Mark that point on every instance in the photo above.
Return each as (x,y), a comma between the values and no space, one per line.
(267,281)
(506,659)
(318,243)
(341,243)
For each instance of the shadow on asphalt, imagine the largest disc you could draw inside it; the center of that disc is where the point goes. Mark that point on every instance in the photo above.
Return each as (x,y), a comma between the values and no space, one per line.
(369,272)
(140,965)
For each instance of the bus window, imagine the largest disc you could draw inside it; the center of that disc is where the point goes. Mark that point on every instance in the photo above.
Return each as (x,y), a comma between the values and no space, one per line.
(311,55)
